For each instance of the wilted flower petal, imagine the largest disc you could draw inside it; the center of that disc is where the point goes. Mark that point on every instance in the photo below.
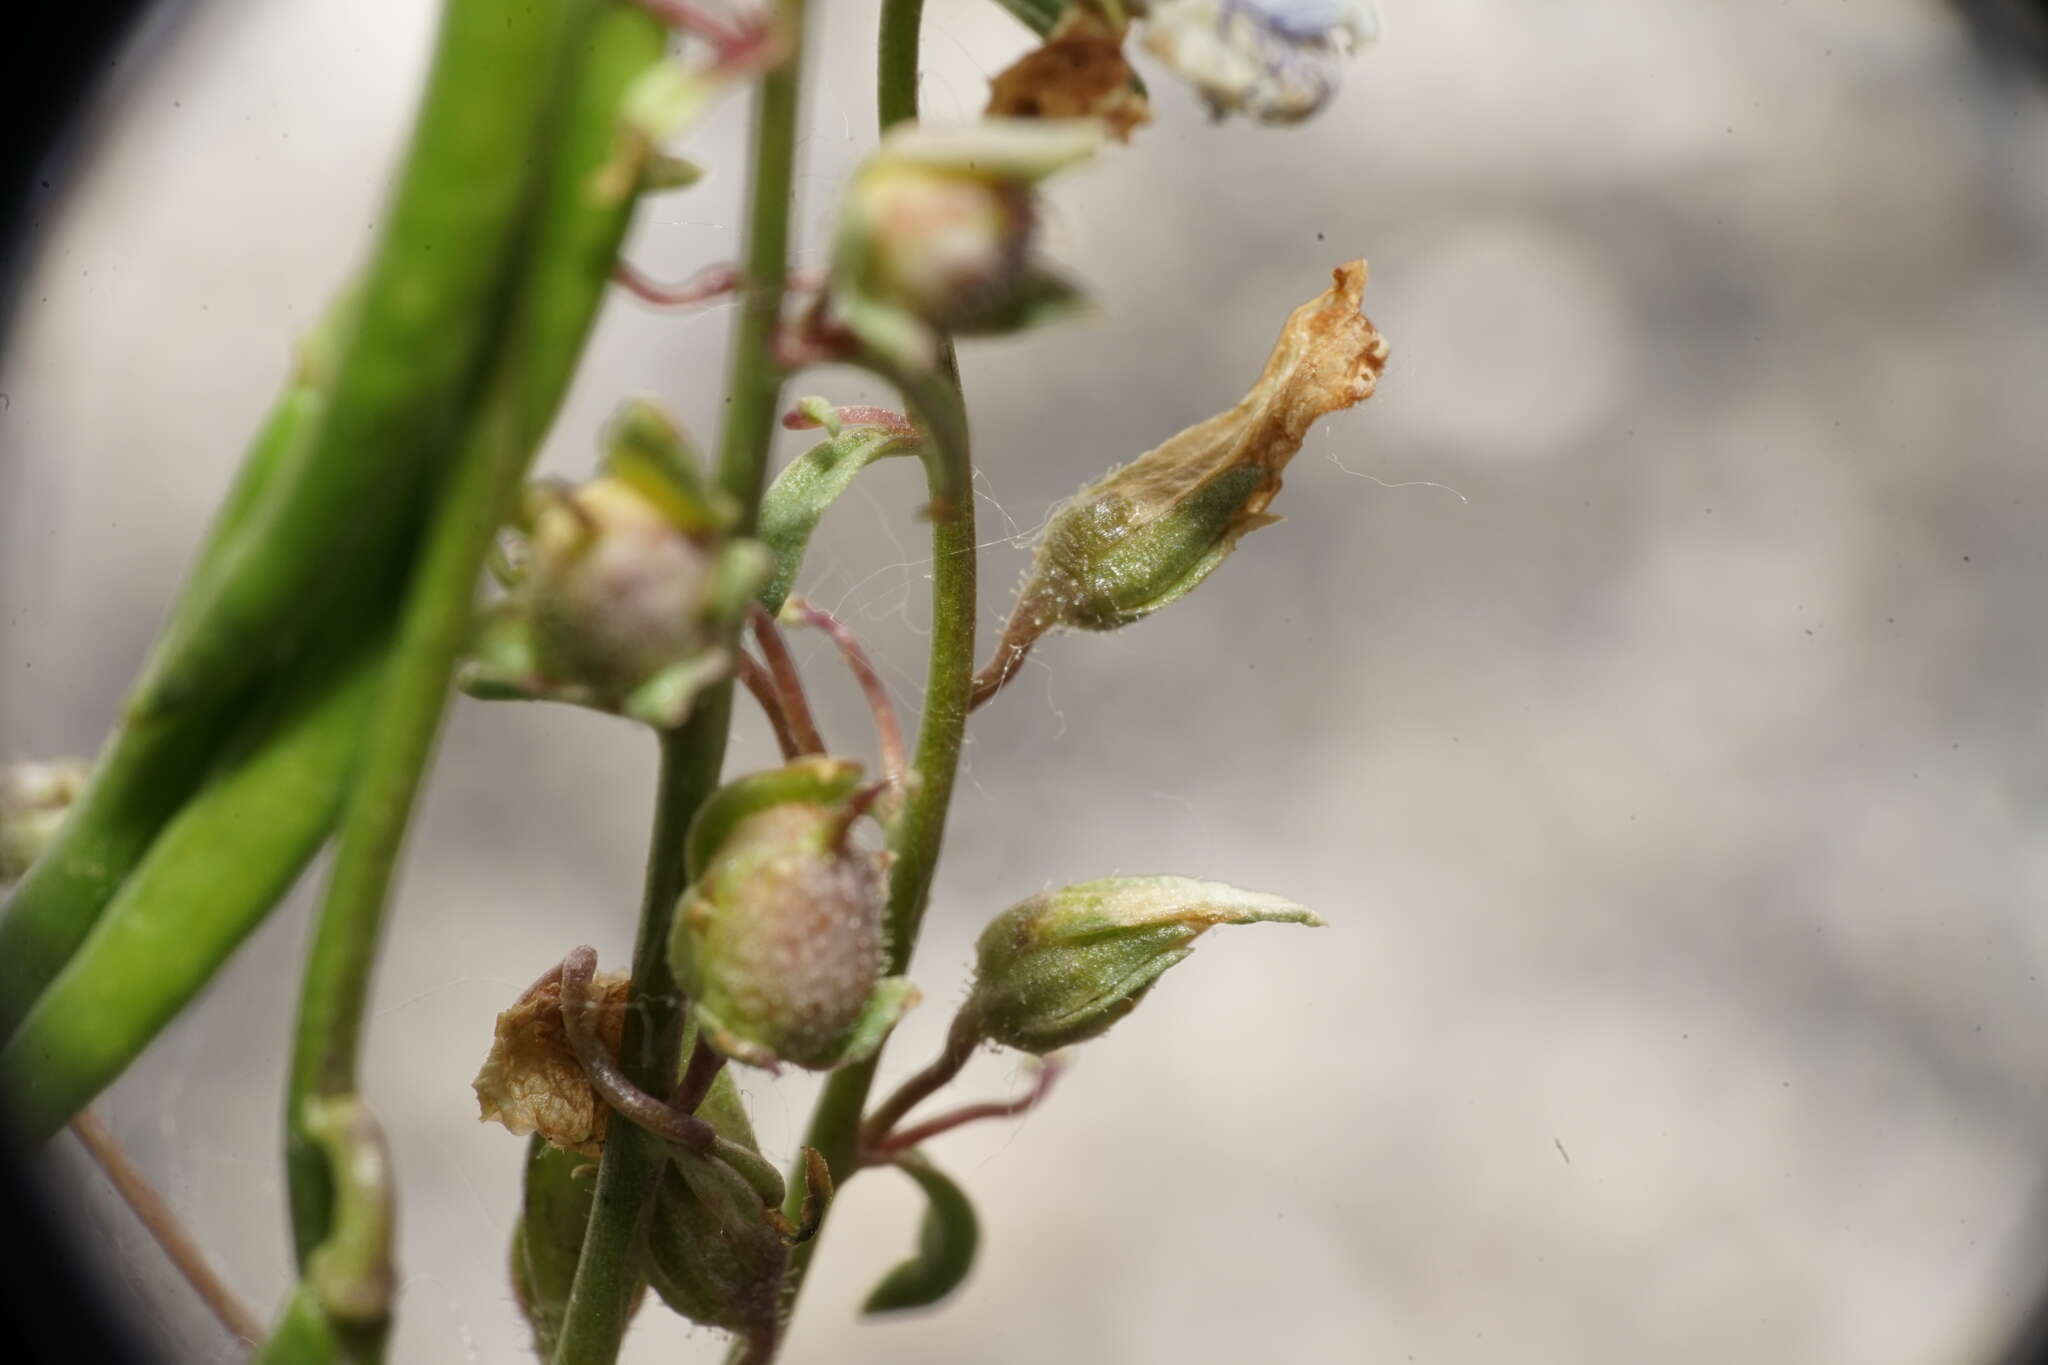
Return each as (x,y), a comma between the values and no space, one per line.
(1079,72)
(532,1083)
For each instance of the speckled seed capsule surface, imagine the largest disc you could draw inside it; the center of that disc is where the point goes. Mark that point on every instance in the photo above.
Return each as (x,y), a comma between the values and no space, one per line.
(616,591)
(786,934)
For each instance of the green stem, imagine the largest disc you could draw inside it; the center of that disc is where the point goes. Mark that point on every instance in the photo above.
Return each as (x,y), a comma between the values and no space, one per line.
(896,51)
(601,1294)
(433,629)
(605,1282)
(935,400)
(756,374)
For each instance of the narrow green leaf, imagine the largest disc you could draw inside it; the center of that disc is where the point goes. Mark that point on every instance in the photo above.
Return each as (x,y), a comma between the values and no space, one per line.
(946,1242)
(796,502)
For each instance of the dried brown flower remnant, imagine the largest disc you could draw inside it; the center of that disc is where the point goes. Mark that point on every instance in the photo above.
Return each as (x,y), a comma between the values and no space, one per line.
(1079,72)
(532,1083)
(1146,534)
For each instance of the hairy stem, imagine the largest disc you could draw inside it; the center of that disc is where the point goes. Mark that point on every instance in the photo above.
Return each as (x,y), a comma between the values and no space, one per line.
(600,1296)
(961,1041)
(599,1300)
(935,401)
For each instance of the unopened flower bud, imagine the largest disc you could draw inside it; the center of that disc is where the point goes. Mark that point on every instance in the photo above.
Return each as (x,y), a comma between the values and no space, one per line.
(778,941)
(34,798)
(709,1252)
(1146,534)
(1061,967)
(938,226)
(1280,61)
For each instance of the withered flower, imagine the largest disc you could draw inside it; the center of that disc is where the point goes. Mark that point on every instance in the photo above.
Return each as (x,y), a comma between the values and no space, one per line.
(532,1083)
(1078,72)
(1148,533)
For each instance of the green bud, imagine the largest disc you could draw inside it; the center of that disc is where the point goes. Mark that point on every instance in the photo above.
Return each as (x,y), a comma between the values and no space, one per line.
(937,229)
(708,1247)
(1147,534)
(1061,967)
(708,1250)
(778,941)
(626,590)
(34,798)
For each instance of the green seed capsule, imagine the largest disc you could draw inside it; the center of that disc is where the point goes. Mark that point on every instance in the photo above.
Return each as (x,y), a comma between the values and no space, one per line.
(779,939)
(1063,966)
(627,588)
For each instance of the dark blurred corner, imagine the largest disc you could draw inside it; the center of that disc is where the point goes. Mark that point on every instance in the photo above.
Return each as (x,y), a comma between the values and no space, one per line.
(2011,33)
(56,56)
(51,1309)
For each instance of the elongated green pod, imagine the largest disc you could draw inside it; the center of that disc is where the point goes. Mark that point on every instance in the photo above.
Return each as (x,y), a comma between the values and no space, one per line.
(552,296)
(586,203)
(946,1242)
(218,867)
(431,303)
(144,774)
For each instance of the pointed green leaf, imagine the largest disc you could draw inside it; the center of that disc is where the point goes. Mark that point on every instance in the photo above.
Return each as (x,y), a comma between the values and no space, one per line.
(796,502)
(946,1243)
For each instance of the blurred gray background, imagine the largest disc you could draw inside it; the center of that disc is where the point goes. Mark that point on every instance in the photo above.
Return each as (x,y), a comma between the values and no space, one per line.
(1647,685)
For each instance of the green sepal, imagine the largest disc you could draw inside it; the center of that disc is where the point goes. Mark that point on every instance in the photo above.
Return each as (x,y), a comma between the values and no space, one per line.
(1037,297)
(501,664)
(666,172)
(647,450)
(813,781)
(894,997)
(665,700)
(1037,15)
(946,1242)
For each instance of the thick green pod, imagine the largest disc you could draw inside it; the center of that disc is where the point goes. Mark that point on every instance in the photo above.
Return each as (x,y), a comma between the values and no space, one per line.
(778,941)
(1061,967)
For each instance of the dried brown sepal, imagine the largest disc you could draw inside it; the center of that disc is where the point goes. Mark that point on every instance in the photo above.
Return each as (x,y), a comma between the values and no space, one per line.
(532,1083)
(1079,72)
(1145,534)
